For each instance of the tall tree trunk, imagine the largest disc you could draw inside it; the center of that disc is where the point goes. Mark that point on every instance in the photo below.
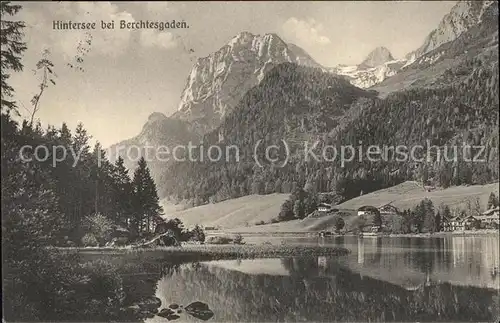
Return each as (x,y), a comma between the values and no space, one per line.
(96,196)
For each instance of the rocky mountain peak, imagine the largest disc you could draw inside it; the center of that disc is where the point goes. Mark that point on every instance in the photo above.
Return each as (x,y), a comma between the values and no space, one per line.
(378,56)
(156,116)
(217,82)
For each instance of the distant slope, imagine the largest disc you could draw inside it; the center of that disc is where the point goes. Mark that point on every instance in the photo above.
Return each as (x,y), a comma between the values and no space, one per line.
(233,213)
(408,194)
(404,196)
(158,131)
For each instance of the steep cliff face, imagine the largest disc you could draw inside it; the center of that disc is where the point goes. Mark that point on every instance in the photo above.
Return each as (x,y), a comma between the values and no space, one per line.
(217,82)
(461,18)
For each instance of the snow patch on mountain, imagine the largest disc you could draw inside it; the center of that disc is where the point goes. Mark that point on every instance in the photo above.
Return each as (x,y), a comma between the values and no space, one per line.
(376,67)
(367,77)
(380,64)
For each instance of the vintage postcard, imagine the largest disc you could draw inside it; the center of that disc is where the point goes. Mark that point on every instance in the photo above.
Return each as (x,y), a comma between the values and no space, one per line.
(244,161)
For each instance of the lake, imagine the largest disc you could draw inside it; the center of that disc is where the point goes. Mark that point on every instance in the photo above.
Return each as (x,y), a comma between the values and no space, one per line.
(452,278)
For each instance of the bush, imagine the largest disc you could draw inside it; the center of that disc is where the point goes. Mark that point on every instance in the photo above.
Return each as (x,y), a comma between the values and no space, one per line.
(101,291)
(338,223)
(89,240)
(197,234)
(358,224)
(100,227)
(219,240)
(119,241)
(237,239)
(260,223)
(59,288)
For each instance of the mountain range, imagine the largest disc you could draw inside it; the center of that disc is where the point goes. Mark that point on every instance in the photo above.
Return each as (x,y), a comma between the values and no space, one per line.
(217,82)
(380,64)
(255,83)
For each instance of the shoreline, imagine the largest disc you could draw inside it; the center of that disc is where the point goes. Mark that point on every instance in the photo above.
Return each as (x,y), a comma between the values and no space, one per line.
(205,252)
(366,234)
(189,252)
(446,234)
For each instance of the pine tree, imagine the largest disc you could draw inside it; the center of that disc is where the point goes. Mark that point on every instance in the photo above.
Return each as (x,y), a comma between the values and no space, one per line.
(377,219)
(139,197)
(102,172)
(84,187)
(65,179)
(417,217)
(153,208)
(338,223)
(29,206)
(122,193)
(286,211)
(447,212)
(298,209)
(30,222)
(492,201)
(146,206)
(13,47)
(438,222)
(427,209)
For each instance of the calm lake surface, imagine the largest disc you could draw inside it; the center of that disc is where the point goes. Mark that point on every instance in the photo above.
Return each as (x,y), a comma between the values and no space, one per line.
(383,279)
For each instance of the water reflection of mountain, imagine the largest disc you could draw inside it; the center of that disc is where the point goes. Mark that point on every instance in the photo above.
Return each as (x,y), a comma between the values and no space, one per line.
(320,290)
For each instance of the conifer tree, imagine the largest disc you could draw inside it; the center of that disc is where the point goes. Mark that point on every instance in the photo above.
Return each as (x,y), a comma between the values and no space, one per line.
(492,201)
(145,201)
(13,46)
(122,193)
(102,175)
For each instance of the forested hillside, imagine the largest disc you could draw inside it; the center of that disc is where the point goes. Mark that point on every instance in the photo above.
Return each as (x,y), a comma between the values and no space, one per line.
(298,104)
(293,103)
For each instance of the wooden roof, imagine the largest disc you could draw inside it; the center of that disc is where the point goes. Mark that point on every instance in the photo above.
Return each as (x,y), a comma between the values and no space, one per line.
(491,211)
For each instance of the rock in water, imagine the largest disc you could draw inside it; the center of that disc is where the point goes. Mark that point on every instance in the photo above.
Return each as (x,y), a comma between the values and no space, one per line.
(199,310)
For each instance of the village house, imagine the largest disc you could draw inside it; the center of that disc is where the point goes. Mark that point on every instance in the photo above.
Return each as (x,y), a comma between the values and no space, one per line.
(456,223)
(388,209)
(446,224)
(490,218)
(367,210)
(324,207)
(462,223)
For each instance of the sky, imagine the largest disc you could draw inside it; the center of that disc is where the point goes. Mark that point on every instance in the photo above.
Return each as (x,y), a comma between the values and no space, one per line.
(126,75)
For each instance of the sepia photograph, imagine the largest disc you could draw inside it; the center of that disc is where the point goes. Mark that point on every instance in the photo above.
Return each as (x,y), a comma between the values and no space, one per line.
(250,161)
